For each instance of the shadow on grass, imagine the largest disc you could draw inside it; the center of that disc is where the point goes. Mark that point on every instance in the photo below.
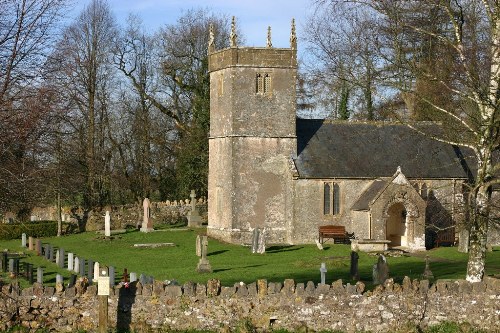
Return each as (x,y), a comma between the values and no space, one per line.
(282,248)
(216,253)
(221,270)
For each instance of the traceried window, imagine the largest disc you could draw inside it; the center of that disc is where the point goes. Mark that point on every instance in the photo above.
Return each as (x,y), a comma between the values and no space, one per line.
(331,198)
(263,83)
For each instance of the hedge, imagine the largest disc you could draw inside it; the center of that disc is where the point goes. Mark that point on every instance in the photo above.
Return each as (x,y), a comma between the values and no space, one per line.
(34,229)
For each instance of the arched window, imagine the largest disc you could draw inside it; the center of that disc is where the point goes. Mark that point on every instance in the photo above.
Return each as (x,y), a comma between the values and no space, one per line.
(259,85)
(267,84)
(331,198)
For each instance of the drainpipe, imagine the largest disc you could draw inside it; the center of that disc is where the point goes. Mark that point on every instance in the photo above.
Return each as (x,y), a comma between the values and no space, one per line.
(370,226)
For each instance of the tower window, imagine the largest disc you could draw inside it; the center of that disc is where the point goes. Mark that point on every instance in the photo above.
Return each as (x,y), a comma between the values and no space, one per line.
(262,83)
(331,198)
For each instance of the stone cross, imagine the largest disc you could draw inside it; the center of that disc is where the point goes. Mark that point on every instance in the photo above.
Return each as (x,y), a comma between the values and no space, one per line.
(194,218)
(354,265)
(204,264)
(107,224)
(198,246)
(427,275)
(23,240)
(147,224)
(323,273)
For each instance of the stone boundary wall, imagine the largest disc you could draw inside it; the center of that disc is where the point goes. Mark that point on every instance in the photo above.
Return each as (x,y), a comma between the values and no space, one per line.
(288,305)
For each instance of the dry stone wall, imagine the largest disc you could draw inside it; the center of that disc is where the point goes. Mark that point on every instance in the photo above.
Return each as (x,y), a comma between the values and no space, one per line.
(288,305)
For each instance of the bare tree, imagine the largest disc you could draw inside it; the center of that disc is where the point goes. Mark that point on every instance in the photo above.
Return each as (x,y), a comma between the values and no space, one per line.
(468,34)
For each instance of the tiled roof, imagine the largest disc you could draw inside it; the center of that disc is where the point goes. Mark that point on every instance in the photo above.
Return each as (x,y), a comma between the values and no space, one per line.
(328,149)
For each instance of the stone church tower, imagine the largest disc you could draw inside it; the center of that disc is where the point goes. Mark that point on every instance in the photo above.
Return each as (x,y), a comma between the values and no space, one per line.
(252,139)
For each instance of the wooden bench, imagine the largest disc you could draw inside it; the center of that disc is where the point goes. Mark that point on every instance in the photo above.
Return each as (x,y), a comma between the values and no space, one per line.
(447,237)
(336,232)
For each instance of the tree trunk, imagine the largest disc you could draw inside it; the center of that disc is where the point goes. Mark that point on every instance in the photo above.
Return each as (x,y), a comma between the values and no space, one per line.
(477,248)
(59,219)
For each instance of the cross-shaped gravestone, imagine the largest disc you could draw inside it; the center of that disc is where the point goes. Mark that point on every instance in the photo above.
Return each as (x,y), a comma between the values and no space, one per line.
(323,271)
(198,245)
(194,218)
(107,224)
(204,264)
(427,275)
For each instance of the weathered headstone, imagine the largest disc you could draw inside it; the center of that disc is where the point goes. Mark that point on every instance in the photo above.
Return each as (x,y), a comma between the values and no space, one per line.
(23,240)
(133,276)
(81,270)
(380,270)
(46,251)
(51,253)
(255,240)
(71,261)
(319,245)
(198,246)
(204,264)
(76,265)
(111,272)
(354,265)
(72,281)
(427,275)
(147,223)
(39,275)
(90,270)
(16,266)
(125,275)
(323,273)
(59,278)
(261,247)
(60,260)
(107,224)
(38,247)
(30,243)
(142,279)
(11,265)
(193,216)
(29,275)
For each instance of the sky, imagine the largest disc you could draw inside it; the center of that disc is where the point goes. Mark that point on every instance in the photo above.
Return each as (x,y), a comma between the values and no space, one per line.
(253,16)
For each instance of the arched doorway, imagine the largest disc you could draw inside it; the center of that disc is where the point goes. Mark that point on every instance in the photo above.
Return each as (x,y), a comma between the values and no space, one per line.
(396,226)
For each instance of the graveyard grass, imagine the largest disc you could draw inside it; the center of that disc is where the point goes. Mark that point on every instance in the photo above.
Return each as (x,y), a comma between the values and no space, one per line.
(234,263)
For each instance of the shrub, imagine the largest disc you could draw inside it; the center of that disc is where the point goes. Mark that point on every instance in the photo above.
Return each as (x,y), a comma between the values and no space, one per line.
(34,229)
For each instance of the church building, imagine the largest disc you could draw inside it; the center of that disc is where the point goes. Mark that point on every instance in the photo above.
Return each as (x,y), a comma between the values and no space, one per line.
(383,182)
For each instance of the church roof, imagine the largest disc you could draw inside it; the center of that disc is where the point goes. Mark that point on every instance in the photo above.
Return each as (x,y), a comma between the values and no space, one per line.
(363,202)
(328,149)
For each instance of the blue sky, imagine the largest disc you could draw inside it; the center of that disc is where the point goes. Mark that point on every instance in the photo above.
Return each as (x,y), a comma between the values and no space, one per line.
(253,16)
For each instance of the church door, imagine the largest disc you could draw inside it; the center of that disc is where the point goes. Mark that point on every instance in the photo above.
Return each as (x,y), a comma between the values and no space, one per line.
(397,225)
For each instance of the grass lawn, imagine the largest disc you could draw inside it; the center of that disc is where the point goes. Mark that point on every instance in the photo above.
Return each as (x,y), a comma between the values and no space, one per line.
(235,263)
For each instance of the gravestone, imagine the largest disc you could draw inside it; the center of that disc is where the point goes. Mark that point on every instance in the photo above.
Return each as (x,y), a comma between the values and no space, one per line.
(81,270)
(198,246)
(111,274)
(25,269)
(39,275)
(354,265)
(107,224)
(30,243)
(29,275)
(142,279)
(16,266)
(255,239)
(38,247)
(23,240)
(51,253)
(147,223)
(46,251)
(72,281)
(11,265)
(261,247)
(62,255)
(193,216)
(319,245)
(90,270)
(59,278)
(71,261)
(76,265)
(323,273)
(4,261)
(380,270)
(427,275)
(125,276)
(133,276)
(204,264)
(96,271)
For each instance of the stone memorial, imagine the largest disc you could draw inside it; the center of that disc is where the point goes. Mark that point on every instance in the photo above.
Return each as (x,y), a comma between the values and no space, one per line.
(76,265)
(319,245)
(60,260)
(29,275)
(71,261)
(255,239)
(427,275)
(23,240)
(107,224)
(323,271)
(81,270)
(90,271)
(96,271)
(261,247)
(142,279)
(380,270)
(39,275)
(354,265)
(51,253)
(38,247)
(72,281)
(59,278)
(125,276)
(133,276)
(204,264)
(147,223)
(46,251)
(11,265)
(193,216)
(198,246)
(30,243)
